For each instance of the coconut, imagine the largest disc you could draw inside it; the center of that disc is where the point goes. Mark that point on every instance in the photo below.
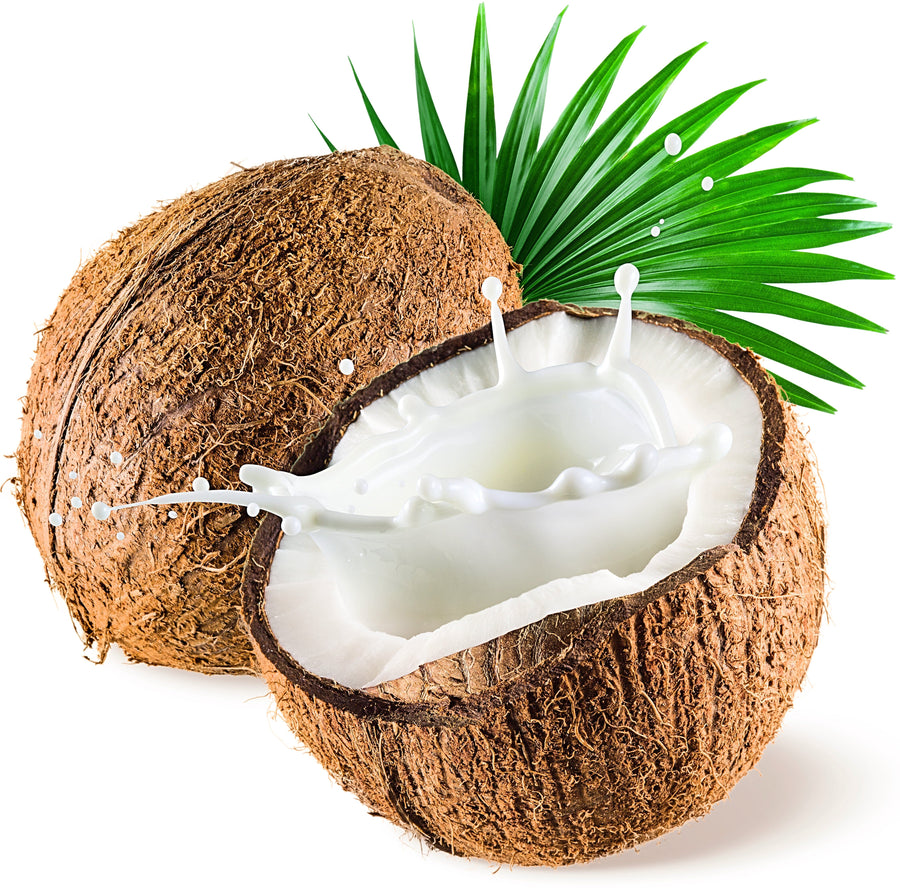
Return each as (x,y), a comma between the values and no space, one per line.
(595,727)
(221,330)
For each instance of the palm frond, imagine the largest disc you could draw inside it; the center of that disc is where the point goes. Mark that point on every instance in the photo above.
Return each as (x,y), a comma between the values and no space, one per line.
(707,239)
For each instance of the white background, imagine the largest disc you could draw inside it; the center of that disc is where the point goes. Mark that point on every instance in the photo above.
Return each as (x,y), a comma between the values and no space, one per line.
(125,774)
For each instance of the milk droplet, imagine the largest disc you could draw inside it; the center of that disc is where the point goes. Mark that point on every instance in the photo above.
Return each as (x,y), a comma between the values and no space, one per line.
(73,475)
(492,288)
(346,366)
(707,183)
(173,513)
(291,525)
(201,485)
(38,434)
(253,509)
(76,502)
(120,535)
(662,221)
(626,280)
(101,511)
(654,232)
(361,486)
(56,519)
(115,458)
(673,144)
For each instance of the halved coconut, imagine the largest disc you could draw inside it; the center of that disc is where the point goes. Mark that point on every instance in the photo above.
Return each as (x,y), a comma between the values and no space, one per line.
(594,710)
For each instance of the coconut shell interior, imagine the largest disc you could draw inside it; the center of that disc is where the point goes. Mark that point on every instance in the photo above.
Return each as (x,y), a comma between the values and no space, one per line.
(209,335)
(595,729)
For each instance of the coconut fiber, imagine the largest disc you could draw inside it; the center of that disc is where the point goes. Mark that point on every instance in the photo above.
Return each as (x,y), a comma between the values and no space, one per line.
(208,335)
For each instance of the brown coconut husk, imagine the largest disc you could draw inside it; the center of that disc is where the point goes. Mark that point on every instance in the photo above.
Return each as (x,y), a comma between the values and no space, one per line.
(207,336)
(593,730)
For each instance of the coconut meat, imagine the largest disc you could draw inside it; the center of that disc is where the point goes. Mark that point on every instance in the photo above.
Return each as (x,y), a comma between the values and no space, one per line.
(403,560)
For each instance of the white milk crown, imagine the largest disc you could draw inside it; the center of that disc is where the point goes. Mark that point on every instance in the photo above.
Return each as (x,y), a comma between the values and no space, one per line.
(536,437)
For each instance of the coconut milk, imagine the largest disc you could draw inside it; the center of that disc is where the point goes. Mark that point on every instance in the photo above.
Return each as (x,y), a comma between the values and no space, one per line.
(560,471)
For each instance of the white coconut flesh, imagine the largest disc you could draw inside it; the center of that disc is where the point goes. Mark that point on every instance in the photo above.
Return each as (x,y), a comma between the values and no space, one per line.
(574,461)
(478,532)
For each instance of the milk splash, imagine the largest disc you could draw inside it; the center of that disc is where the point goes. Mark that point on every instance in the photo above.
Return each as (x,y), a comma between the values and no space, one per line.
(560,471)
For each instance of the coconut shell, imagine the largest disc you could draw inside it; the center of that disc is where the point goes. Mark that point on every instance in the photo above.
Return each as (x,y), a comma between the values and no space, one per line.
(592,730)
(208,335)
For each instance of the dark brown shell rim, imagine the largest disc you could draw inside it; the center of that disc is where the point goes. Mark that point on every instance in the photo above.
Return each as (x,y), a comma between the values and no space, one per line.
(607,616)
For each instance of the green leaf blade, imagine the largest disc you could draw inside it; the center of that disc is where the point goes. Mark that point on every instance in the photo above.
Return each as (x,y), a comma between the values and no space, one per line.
(717,241)
(522,134)
(381,133)
(325,138)
(634,198)
(480,131)
(744,296)
(434,139)
(558,151)
(800,396)
(591,166)
(767,343)
(751,296)
(765,266)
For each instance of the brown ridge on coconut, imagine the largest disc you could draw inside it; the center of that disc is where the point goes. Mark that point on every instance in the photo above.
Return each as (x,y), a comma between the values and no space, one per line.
(208,335)
(594,730)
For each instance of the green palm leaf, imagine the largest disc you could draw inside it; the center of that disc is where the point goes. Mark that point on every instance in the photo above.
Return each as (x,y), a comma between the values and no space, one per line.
(593,195)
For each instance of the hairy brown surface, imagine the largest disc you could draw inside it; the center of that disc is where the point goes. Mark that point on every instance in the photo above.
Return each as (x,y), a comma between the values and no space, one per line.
(599,728)
(207,336)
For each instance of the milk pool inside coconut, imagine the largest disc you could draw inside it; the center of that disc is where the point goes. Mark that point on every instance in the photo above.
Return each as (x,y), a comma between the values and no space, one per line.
(545,472)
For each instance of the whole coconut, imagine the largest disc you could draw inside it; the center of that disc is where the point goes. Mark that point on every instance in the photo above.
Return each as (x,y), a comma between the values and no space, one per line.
(210,335)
